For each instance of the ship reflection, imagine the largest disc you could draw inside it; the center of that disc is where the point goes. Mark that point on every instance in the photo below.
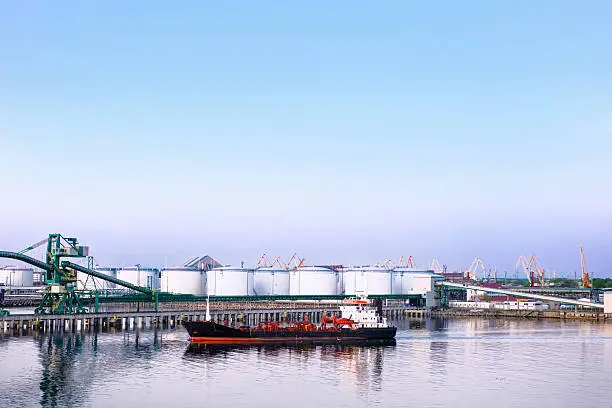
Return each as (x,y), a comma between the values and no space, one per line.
(360,363)
(222,349)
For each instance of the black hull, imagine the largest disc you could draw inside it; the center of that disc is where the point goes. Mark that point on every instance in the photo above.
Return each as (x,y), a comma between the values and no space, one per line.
(213,333)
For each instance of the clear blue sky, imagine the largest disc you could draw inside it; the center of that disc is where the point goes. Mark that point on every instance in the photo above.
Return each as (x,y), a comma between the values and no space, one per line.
(349,131)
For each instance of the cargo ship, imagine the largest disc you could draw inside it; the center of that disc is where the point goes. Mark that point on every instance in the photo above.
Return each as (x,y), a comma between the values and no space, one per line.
(358,322)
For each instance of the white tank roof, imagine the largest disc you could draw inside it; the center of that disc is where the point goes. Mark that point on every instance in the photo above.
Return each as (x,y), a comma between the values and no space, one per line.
(367,268)
(231,268)
(414,270)
(315,268)
(272,268)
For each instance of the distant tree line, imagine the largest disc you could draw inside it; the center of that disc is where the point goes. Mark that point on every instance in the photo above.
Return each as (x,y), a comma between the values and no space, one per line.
(599,283)
(565,282)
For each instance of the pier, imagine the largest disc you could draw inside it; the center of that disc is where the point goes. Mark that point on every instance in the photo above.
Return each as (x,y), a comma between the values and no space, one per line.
(590,315)
(230,314)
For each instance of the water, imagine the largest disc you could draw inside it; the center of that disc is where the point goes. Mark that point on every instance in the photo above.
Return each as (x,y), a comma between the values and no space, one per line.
(435,363)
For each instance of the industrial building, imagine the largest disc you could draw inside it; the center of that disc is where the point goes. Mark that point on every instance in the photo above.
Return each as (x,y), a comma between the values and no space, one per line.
(608,301)
(515,304)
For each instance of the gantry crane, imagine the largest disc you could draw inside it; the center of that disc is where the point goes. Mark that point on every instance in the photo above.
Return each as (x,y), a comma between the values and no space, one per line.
(523,262)
(536,267)
(410,262)
(536,275)
(60,295)
(472,271)
(34,246)
(586,282)
(295,262)
(263,260)
(435,266)
(279,262)
(407,263)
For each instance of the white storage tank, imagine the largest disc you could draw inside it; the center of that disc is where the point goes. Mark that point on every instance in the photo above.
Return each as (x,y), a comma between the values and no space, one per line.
(412,281)
(229,281)
(403,282)
(146,277)
(184,280)
(85,281)
(271,281)
(314,280)
(11,276)
(372,280)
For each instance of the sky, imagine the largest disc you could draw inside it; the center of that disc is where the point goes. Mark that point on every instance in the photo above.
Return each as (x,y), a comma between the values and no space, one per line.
(350,132)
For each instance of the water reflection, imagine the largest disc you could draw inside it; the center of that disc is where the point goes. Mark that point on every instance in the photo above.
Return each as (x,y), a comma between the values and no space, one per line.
(58,356)
(67,369)
(338,350)
(360,364)
(434,363)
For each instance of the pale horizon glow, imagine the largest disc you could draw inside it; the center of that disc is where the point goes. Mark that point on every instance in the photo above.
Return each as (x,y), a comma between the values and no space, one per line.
(156,132)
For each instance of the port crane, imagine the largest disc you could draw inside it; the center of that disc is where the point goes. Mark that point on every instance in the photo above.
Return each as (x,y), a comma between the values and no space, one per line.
(536,275)
(436,267)
(472,271)
(279,262)
(410,262)
(263,261)
(60,295)
(586,282)
(295,262)
(537,268)
(387,263)
(524,263)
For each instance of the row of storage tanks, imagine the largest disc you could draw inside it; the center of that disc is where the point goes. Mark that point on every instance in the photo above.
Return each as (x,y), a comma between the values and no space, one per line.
(11,276)
(309,280)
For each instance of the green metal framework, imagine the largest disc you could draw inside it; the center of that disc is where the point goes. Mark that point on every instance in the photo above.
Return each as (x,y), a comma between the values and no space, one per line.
(164,297)
(60,295)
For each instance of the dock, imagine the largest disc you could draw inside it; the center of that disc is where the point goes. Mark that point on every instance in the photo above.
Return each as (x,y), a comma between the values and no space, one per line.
(591,315)
(235,314)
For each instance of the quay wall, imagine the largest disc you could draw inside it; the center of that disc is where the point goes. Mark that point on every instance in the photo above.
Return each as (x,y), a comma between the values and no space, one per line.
(591,315)
(233,314)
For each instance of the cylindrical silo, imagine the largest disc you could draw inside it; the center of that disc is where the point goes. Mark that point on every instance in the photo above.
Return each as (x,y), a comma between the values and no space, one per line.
(184,280)
(412,281)
(17,276)
(146,277)
(314,280)
(372,280)
(229,281)
(271,281)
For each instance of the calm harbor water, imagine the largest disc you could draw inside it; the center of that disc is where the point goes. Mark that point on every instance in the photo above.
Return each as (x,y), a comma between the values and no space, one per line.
(434,363)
